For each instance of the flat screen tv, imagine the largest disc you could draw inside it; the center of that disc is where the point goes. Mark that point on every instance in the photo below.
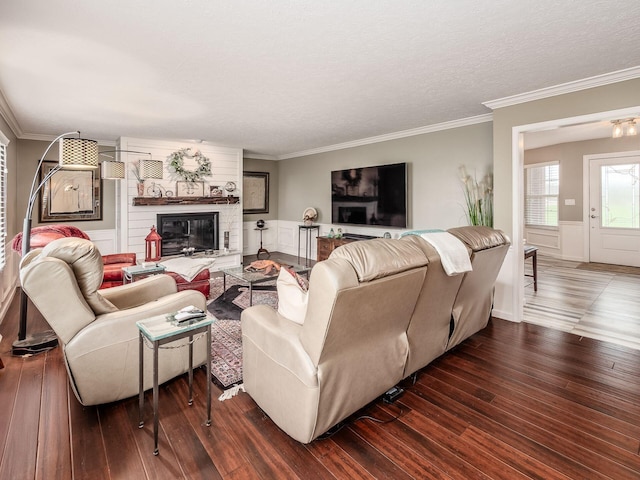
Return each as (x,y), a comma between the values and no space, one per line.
(375,196)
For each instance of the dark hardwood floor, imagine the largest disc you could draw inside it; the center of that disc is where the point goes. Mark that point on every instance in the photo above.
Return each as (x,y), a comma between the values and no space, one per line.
(514,401)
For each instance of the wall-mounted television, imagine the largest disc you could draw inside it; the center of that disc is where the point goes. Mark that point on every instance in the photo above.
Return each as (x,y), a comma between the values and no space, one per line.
(375,196)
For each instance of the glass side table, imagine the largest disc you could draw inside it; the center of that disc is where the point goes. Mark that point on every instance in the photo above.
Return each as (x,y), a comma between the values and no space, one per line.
(136,272)
(160,330)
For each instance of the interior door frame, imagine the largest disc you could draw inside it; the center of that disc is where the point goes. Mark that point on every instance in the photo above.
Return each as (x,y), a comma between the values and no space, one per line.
(517,192)
(586,174)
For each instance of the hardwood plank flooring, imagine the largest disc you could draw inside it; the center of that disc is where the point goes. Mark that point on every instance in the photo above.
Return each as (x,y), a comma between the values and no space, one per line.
(513,401)
(604,305)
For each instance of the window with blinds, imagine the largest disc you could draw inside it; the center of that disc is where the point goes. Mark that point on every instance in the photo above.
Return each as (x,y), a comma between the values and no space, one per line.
(3,200)
(542,183)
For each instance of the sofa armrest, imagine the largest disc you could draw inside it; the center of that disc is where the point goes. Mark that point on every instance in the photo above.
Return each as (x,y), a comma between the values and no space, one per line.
(128,258)
(140,292)
(279,339)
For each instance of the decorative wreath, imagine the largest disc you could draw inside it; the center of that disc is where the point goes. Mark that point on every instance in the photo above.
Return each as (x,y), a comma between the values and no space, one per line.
(176,162)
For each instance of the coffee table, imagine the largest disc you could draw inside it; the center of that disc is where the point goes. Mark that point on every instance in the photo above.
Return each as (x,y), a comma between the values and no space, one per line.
(136,272)
(254,277)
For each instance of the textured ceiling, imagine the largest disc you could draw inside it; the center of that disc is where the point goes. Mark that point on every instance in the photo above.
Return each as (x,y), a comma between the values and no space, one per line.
(276,77)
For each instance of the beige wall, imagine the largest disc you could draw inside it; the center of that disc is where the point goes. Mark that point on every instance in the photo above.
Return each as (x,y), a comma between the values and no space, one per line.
(570,155)
(29,154)
(435,191)
(270,166)
(601,99)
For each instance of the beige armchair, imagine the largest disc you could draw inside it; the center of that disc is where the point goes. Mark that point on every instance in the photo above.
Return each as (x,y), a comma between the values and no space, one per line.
(97,328)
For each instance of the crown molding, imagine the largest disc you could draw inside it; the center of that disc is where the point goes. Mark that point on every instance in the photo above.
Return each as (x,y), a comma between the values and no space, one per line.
(9,117)
(258,156)
(463,122)
(563,88)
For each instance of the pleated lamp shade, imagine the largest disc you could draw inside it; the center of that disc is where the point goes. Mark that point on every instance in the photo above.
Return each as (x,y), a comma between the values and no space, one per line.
(151,168)
(112,170)
(78,153)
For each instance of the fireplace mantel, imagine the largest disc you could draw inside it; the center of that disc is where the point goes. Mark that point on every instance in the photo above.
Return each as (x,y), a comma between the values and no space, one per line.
(140,201)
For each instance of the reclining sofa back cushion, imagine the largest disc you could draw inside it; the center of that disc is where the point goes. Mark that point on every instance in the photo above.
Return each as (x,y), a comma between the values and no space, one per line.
(473,304)
(70,271)
(430,325)
(380,257)
(356,335)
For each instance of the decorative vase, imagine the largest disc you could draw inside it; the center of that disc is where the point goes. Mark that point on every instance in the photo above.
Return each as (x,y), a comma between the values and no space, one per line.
(141,189)
(226,240)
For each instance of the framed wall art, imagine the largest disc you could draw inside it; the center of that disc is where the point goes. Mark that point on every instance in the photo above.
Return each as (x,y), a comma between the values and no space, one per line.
(70,195)
(255,188)
(215,191)
(190,189)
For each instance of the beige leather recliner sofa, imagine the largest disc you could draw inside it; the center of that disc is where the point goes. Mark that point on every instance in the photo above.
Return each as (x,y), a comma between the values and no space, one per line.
(97,328)
(378,310)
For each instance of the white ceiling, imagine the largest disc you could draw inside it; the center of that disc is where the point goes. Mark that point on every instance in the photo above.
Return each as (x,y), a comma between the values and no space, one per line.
(277,77)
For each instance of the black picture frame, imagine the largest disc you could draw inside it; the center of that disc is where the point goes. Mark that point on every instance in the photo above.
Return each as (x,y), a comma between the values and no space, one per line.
(70,195)
(255,191)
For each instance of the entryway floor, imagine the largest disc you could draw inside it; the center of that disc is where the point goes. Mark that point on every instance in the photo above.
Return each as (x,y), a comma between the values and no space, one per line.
(604,305)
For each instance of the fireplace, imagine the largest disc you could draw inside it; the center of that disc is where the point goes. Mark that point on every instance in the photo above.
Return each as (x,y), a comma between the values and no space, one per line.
(188,230)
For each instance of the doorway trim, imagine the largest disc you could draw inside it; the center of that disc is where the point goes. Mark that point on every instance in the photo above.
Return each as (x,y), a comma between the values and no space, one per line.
(517,190)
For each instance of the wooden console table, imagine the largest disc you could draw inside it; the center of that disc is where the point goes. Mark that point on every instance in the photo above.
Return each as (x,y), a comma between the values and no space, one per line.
(327,245)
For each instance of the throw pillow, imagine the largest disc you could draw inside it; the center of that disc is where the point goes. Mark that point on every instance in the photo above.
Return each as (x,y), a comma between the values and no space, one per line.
(292,295)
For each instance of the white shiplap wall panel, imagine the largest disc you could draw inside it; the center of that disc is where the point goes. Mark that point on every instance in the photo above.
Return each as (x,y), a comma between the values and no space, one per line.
(226,166)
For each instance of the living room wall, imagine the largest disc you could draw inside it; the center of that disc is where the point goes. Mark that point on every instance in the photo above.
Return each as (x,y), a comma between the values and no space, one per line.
(620,95)
(570,156)
(435,192)
(29,154)
(593,100)
(270,166)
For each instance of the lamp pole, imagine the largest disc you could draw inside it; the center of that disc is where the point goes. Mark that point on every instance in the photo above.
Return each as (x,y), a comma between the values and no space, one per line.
(46,340)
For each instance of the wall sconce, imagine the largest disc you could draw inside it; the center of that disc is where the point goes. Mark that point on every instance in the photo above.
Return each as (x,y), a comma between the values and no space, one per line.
(631,128)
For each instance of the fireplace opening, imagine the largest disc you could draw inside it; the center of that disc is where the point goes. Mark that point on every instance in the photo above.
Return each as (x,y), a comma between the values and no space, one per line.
(188,230)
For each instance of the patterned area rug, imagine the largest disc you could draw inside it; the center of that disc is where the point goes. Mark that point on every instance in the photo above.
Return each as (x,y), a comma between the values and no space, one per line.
(226,343)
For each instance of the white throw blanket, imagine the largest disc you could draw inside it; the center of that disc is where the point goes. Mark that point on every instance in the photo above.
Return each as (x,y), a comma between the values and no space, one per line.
(453,253)
(187,267)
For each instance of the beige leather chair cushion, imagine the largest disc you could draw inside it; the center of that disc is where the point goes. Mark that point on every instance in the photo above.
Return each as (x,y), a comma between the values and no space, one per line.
(86,262)
(380,257)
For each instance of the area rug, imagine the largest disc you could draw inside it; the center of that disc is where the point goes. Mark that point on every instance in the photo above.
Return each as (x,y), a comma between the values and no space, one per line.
(226,342)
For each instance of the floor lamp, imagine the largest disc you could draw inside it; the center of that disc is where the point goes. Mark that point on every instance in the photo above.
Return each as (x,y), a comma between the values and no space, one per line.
(75,154)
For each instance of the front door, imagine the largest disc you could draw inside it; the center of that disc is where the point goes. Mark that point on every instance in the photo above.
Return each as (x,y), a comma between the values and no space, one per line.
(614,209)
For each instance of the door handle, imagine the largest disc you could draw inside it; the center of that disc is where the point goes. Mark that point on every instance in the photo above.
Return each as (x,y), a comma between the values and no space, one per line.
(594,216)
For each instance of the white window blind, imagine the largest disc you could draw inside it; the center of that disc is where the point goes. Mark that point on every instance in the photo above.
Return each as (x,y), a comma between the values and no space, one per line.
(542,183)
(3,199)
